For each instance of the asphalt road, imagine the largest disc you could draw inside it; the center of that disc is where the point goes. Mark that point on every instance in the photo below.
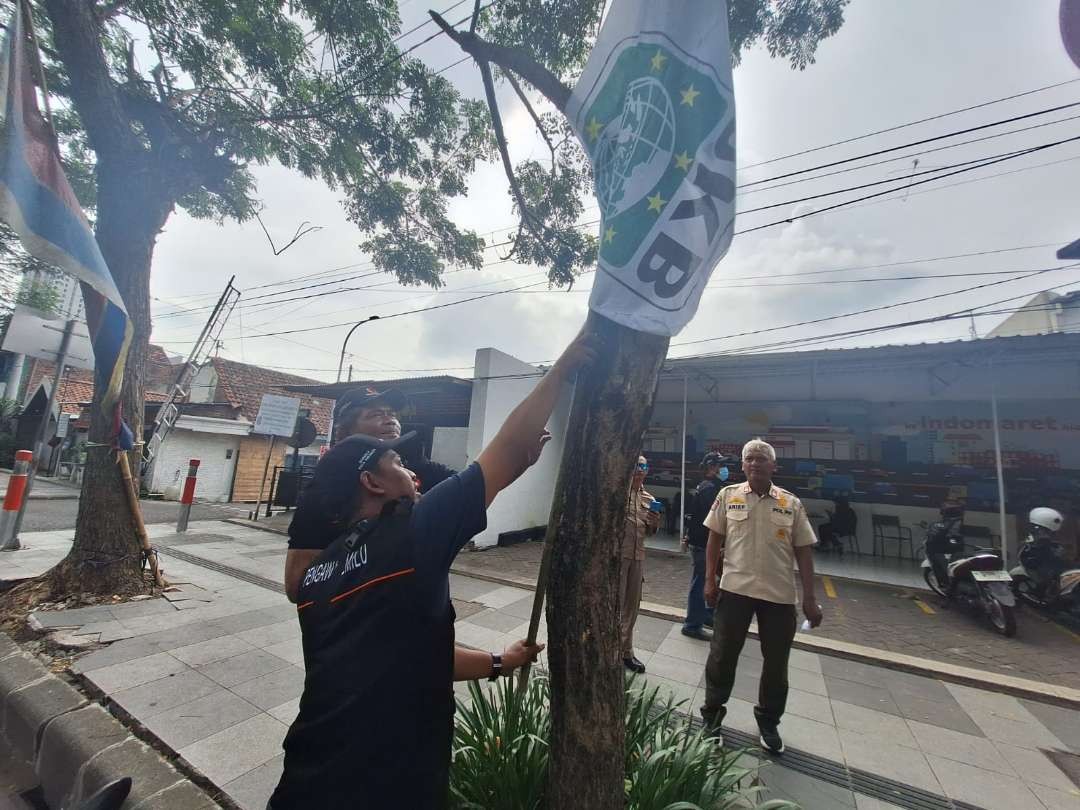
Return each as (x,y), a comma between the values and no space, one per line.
(50,515)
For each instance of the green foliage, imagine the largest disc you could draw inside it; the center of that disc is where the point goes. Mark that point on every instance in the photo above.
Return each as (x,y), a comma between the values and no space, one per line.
(501,754)
(9,409)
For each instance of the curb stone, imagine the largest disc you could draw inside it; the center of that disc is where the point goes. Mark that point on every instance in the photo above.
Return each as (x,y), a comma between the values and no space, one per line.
(76,746)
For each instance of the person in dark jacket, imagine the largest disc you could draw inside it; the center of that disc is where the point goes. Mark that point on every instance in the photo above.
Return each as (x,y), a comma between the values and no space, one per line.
(698,615)
(359,412)
(375,722)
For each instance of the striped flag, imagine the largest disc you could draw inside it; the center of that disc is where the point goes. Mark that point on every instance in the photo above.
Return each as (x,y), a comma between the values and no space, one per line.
(37,202)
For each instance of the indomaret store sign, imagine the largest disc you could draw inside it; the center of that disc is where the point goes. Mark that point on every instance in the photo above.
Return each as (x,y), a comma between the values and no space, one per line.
(655,111)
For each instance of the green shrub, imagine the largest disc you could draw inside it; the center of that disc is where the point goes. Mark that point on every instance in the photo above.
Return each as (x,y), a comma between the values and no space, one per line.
(501,755)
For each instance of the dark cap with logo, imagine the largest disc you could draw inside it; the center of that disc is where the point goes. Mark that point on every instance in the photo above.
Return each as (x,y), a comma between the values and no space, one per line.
(712,458)
(354,455)
(356,398)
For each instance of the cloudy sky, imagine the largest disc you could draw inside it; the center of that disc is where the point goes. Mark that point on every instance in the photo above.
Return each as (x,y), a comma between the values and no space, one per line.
(894,62)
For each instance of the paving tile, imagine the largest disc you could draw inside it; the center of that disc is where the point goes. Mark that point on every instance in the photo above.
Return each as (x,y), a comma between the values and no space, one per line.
(681,693)
(949,744)
(984,702)
(286,712)
(1035,767)
(814,707)
(854,671)
(479,638)
(113,678)
(905,683)
(986,789)
(147,607)
(811,736)
(807,681)
(232,752)
(522,608)
(860,694)
(244,667)
(118,653)
(274,689)
(696,652)
(157,696)
(271,634)
(215,649)
(887,727)
(870,753)
(252,790)
(1023,734)
(74,617)
(870,803)
(292,651)
(1057,799)
(468,589)
(936,713)
(676,669)
(495,620)
(190,722)
(808,793)
(740,716)
(501,596)
(801,659)
(1062,723)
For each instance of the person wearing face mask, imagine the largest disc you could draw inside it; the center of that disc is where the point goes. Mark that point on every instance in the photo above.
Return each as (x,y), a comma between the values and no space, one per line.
(757,533)
(359,412)
(375,722)
(698,616)
(642,519)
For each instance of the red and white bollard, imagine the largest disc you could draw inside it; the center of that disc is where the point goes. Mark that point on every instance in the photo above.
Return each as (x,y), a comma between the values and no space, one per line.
(188,496)
(13,500)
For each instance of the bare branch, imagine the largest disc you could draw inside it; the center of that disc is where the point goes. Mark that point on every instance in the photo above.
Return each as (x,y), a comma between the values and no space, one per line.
(509,59)
(302,230)
(475,16)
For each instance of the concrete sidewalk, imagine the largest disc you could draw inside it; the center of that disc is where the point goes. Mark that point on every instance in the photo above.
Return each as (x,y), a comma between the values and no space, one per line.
(215,671)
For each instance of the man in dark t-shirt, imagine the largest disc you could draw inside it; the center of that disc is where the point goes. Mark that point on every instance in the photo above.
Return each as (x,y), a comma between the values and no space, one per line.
(360,411)
(375,724)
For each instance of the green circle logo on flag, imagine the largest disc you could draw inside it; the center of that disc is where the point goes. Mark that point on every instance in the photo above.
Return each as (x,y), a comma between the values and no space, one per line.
(659,126)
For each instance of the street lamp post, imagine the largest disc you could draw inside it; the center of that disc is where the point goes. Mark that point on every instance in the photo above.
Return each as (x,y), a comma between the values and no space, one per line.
(340,365)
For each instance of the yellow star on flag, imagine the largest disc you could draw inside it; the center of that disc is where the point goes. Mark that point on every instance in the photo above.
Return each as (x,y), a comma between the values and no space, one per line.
(689,94)
(594,129)
(656,202)
(609,234)
(683,161)
(658,61)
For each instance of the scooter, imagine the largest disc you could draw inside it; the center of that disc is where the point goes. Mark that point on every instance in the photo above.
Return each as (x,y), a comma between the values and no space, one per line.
(975,578)
(1044,578)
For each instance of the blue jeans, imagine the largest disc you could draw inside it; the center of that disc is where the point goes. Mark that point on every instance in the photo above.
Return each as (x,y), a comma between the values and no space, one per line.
(697,612)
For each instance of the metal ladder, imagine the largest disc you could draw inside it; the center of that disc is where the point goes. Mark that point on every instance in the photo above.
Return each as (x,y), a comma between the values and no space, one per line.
(169,411)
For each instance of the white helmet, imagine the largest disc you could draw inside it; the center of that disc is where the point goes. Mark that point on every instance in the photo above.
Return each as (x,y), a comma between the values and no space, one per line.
(1047,518)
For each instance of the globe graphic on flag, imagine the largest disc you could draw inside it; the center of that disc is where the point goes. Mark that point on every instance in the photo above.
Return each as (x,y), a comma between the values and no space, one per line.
(635,149)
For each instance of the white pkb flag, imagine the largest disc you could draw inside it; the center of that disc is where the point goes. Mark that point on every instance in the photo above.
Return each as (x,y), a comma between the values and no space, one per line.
(655,111)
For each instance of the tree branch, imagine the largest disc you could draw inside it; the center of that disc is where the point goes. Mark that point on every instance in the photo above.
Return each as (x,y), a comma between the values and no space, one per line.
(77,38)
(536,118)
(509,59)
(302,230)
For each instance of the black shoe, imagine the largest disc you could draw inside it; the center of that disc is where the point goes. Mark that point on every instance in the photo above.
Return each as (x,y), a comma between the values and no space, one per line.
(698,633)
(707,625)
(770,740)
(634,665)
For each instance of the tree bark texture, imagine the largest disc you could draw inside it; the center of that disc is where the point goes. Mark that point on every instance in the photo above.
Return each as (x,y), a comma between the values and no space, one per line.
(612,405)
(105,557)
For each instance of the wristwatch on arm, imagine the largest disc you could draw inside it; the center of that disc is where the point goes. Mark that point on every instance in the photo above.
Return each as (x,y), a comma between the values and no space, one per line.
(496,667)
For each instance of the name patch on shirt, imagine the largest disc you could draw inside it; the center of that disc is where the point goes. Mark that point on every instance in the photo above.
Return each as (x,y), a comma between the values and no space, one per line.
(780,510)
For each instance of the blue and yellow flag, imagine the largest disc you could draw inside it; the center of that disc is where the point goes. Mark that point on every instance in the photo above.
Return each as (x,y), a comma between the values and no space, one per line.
(37,202)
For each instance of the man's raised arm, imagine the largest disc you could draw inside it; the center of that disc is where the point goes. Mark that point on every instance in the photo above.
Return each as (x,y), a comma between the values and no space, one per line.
(517,445)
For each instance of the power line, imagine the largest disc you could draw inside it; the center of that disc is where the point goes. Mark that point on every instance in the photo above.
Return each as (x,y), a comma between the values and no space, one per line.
(911,123)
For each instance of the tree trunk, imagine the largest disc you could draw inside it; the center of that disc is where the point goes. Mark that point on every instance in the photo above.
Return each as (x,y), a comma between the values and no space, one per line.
(105,557)
(611,410)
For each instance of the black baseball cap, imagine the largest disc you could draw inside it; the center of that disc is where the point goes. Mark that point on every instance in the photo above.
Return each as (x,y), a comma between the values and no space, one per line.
(352,456)
(356,398)
(712,458)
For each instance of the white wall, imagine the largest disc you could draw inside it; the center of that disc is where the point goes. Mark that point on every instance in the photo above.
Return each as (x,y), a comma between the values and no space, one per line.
(450,446)
(215,471)
(527,502)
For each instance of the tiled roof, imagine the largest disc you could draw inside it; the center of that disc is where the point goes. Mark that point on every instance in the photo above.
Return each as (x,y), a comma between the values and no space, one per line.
(243,385)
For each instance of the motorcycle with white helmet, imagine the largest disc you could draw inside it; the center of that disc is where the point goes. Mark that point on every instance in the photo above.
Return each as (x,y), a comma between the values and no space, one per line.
(1045,578)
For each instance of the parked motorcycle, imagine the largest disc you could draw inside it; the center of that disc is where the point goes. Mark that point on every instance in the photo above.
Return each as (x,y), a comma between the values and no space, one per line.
(1045,578)
(968,574)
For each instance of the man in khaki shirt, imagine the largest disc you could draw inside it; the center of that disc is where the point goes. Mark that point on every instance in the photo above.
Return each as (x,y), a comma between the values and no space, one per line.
(640,521)
(757,532)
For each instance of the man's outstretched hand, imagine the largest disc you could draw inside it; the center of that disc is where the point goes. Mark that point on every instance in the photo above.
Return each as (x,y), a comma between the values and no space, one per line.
(581,353)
